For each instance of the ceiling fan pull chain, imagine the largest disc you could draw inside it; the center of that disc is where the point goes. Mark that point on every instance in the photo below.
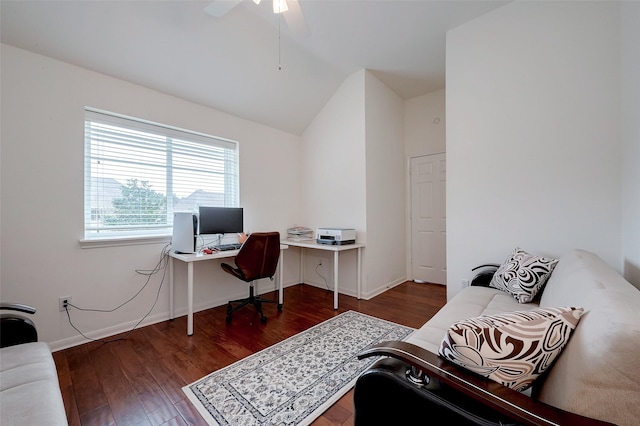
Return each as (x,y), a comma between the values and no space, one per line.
(279,48)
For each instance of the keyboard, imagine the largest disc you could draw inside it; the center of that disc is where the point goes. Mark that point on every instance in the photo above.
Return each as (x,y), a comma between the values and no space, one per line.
(226,247)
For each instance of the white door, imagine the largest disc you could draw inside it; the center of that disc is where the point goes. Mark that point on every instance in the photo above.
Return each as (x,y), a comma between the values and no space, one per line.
(428,218)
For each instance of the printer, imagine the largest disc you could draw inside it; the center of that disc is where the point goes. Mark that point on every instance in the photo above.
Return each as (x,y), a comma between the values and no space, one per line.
(336,236)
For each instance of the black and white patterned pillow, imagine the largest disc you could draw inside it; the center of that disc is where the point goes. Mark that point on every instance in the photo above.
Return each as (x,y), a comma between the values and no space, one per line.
(513,348)
(523,275)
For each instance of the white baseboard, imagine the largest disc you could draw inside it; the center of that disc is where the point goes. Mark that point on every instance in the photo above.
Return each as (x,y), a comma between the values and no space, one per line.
(381,289)
(107,332)
(104,333)
(164,316)
(365,295)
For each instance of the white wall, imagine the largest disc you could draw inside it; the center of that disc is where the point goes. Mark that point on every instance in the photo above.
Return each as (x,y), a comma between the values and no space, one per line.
(424,134)
(353,176)
(43,104)
(630,89)
(425,124)
(333,178)
(385,258)
(533,134)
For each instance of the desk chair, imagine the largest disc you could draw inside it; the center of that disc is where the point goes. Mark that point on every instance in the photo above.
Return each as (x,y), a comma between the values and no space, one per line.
(257,258)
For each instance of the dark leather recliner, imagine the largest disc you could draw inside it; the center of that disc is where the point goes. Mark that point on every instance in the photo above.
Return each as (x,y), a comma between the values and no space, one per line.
(410,385)
(257,258)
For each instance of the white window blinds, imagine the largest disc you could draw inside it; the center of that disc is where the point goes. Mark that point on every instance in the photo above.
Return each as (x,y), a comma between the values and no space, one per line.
(137,174)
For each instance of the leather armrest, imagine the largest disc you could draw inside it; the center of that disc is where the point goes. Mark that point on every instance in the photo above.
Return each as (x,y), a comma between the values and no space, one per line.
(483,278)
(17,307)
(500,398)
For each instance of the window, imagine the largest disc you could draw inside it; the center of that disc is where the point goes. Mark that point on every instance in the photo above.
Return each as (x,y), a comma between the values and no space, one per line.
(137,174)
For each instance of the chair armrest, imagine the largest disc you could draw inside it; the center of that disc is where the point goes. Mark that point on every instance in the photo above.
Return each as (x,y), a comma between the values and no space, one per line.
(17,307)
(500,398)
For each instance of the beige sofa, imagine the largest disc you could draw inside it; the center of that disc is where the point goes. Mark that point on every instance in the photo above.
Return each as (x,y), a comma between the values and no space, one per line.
(597,375)
(29,389)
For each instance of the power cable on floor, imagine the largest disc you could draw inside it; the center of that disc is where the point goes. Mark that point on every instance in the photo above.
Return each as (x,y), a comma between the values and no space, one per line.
(160,266)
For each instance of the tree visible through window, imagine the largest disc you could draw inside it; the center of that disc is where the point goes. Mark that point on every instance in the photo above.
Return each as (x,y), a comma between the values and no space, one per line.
(137,174)
(139,205)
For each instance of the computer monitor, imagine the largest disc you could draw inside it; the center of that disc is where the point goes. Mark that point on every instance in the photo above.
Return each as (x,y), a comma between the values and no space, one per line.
(220,220)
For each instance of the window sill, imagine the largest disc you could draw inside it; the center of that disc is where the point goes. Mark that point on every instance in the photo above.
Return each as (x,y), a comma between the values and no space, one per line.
(124,241)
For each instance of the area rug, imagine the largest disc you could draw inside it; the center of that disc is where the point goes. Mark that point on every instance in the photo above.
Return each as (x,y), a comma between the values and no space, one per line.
(296,380)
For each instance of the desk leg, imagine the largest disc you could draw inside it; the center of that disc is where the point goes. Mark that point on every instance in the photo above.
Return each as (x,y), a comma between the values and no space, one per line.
(301,265)
(281,267)
(189,298)
(335,280)
(170,288)
(359,272)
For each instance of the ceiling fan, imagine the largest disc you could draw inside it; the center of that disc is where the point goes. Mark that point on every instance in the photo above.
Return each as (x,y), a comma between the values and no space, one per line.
(290,10)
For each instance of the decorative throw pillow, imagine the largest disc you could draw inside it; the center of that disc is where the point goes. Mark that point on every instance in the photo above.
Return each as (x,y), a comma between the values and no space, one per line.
(523,275)
(512,348)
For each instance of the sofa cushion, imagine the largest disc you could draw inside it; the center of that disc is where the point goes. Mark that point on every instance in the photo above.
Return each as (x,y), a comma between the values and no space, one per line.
(470,302)
(512,348)
(29,389)
(523,275)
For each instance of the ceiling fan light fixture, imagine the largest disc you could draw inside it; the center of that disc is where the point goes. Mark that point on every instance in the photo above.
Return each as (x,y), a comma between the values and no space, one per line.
(279,6)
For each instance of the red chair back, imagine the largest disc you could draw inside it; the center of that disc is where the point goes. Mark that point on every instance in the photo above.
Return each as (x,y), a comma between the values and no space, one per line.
(258,257)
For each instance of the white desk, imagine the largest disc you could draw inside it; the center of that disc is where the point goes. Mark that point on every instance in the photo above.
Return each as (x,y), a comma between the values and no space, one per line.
(189,259)
(336,249)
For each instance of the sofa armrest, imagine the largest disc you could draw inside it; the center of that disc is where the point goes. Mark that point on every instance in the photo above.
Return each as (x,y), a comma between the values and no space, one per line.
(17,307)
(498,397)
(30,392)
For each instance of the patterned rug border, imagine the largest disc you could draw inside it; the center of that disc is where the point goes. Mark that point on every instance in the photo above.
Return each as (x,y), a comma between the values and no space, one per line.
(201,405)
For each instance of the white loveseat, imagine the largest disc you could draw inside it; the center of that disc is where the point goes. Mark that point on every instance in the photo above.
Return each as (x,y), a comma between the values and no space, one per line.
(597,375)
(29,390)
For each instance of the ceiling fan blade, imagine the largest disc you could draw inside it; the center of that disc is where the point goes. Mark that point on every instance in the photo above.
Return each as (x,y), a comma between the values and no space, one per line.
(219,8)
(295,20)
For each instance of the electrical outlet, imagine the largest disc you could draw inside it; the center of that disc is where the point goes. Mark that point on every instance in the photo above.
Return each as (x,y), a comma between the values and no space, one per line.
(464,283)
(62,302)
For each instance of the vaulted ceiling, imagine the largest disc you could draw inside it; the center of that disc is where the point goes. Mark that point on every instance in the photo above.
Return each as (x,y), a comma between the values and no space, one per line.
(232,63)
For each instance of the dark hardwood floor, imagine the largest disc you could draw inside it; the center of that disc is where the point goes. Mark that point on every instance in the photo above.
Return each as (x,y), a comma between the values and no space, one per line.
(139,380)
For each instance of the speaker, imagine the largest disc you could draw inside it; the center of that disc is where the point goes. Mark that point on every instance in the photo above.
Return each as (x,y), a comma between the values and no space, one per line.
(185,232)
